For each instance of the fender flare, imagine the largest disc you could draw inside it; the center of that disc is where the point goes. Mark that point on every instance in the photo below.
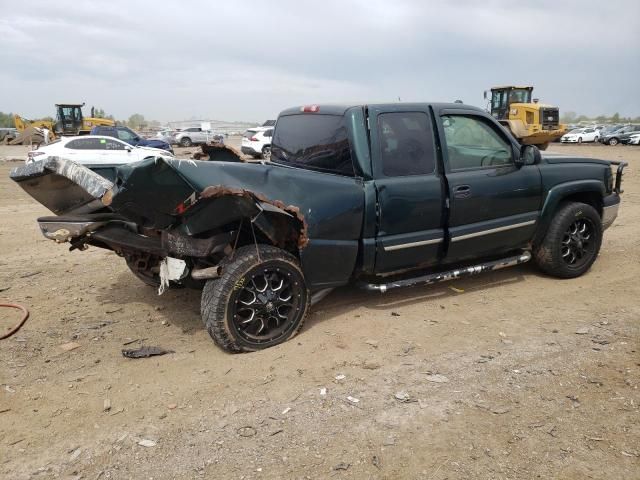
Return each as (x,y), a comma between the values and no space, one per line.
(557,194)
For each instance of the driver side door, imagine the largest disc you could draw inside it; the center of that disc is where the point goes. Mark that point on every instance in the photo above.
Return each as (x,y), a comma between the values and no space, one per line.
(494,204)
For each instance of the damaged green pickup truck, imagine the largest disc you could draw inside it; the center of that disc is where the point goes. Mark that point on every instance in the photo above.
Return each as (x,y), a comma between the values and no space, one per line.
(383,196)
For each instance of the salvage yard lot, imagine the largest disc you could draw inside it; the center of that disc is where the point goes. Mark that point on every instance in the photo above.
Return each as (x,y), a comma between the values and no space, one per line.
(507,375)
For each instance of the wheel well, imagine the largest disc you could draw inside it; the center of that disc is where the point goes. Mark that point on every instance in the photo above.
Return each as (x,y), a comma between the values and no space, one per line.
(590,198)
(271,229)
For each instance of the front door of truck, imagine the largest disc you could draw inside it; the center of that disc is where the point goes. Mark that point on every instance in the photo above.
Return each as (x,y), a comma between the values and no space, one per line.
(409,188)
(494,203)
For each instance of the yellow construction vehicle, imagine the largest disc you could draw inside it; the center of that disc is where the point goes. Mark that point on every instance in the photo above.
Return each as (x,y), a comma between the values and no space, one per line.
(69,121)
(532,123)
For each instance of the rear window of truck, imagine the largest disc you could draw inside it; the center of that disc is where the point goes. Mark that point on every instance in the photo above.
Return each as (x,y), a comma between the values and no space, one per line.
(313,141)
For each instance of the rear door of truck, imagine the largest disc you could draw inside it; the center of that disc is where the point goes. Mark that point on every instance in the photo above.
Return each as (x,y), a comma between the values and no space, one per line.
(410,187)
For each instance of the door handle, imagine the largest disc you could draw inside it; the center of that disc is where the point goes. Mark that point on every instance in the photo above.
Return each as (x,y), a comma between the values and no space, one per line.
(462,191)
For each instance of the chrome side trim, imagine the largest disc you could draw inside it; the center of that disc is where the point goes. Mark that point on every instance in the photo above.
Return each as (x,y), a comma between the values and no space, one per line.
(493,230)
(421,243)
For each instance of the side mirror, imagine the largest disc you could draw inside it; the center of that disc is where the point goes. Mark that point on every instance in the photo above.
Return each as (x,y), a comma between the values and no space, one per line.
(485,94)
(529,155)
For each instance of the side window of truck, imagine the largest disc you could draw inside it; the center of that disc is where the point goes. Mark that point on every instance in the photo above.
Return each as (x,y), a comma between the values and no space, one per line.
(473,143)
(406,144)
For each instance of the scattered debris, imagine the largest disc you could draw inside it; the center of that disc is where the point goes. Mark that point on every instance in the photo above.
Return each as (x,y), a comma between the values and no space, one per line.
(119,309)
(582,331)
(375,461)
(247,431)
(9,389)
(500,410)
(286,410)
(145,352)
(323,391)
(145,442)
(353,399)
(342,466)
(395,314)
(389,441)
(369,365)
(485,358)
(106,405)
(134,341)
(403,397)
(340,376)
(457,290)
(373,343)
(436,378)
(172,406)
(76,453)
(31,274)
(276,432)
(67,347)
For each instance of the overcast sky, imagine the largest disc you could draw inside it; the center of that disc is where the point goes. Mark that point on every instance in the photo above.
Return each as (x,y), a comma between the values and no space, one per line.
(248,60)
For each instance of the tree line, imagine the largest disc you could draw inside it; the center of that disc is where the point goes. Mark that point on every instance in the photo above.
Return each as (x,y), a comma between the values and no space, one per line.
(573,117)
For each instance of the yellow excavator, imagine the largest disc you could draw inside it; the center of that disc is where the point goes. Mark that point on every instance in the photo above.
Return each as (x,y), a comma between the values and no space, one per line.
(69,121)
(532,123)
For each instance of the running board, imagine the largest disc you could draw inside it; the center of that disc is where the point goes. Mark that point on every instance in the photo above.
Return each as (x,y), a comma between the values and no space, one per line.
(450,275)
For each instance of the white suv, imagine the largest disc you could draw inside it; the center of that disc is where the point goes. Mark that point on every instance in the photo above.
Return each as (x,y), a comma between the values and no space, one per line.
(257,142)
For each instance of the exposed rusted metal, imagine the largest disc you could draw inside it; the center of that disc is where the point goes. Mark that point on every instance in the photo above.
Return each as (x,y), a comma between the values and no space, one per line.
(217,191)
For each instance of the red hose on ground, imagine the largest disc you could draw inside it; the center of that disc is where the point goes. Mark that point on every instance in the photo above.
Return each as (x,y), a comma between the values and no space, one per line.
(25,315)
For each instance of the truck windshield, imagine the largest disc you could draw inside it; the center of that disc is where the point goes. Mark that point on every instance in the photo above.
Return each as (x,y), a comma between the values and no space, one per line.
(313,141)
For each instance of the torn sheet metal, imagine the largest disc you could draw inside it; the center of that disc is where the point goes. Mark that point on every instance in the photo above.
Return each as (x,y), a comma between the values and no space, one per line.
(62,186)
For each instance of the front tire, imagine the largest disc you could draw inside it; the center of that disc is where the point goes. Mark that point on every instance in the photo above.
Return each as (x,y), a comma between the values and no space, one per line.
(186,142)
(260,300)
(613,141)
(572,243)
(579,139)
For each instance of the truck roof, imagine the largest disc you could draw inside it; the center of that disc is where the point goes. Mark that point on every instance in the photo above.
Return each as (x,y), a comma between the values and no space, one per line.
(341,109)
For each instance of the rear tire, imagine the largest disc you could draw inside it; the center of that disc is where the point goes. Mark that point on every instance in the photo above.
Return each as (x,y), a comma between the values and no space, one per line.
(572,243)
(259,301)
(613,141)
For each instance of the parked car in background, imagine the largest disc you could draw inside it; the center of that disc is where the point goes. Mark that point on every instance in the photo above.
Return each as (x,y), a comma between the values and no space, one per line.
(94,150)
(9,133)
(581,135)
(194,136)
(620,136)
(257,142)
(634,139)
(132,138)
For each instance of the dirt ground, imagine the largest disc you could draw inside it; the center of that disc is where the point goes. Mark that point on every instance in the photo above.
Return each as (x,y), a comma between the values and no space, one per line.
(510,375)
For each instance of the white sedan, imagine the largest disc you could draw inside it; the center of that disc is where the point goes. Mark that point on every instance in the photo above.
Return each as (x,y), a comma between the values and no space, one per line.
(580,135)
(95,150)
(634,139)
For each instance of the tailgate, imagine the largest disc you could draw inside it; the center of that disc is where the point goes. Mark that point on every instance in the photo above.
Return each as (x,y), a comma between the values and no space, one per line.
(63,186)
